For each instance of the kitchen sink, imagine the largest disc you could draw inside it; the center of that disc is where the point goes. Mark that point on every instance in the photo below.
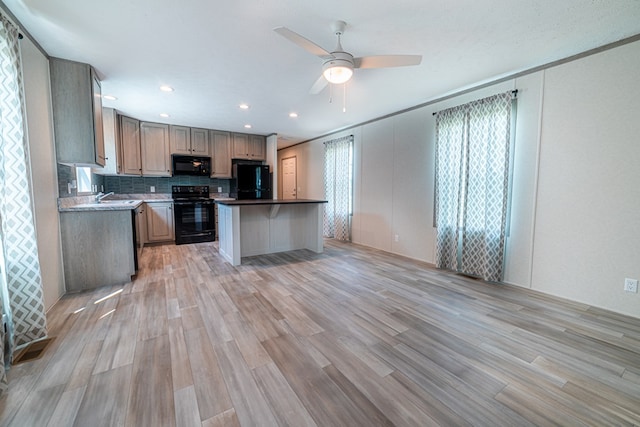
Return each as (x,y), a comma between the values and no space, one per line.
(106,204)
(118,202)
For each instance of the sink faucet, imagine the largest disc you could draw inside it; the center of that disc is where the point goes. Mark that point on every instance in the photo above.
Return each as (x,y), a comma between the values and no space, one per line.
(101,196)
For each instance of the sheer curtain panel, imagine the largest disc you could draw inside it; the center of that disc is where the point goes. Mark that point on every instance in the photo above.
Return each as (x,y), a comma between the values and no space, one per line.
(472,186)
(22,283)
(338,179)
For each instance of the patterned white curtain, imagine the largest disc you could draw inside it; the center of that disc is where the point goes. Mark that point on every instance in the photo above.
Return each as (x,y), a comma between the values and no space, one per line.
(22,282)
(338,187)
(472,186)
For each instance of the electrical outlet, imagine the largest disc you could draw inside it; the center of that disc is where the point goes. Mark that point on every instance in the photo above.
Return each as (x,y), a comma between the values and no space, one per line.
(219,189)
(397,238)
(152,189)
(630,285)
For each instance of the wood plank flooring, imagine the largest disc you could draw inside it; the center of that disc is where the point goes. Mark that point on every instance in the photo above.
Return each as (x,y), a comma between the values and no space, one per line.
(350,337)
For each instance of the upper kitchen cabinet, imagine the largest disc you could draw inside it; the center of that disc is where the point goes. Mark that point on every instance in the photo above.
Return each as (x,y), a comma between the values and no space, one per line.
(200,142)
(221,150)
(257,147)
(122,145)
(129,144)
(240,146)
(112,165)
(77,113)
(189,141)
(180,139)
(154,147)
(250,147)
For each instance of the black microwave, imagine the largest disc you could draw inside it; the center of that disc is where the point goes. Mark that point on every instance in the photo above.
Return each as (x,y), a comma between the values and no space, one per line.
(191,165)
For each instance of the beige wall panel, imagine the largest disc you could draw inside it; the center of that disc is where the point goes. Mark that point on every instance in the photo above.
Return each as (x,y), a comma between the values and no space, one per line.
(43,166)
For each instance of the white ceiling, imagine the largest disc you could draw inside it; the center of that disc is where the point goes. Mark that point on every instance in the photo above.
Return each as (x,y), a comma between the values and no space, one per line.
(218,54)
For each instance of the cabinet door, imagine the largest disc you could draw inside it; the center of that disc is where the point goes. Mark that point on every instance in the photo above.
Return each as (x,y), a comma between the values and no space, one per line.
(141,228)
(159,221)
(112,165)
(97,118)
(180,139)
(154,144)
(240,146)
(199,142)
(77,113)
(129,141)
(221,145)
(257,145)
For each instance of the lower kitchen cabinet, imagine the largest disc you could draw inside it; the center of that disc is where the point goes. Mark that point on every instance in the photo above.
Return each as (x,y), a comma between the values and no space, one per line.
(98,248)
(160,221)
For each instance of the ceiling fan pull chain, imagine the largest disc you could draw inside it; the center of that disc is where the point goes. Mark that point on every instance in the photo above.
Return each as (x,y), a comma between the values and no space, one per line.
(344,98)
(330,93)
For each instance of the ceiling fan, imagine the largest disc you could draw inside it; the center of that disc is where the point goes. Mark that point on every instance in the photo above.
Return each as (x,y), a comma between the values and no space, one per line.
(338,65)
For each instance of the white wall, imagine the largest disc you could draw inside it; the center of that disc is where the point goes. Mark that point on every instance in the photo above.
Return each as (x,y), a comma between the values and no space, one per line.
(588,211)
(35,68)
(576,193)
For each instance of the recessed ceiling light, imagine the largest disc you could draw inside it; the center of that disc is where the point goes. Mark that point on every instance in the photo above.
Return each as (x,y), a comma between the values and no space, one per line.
(247,126)
(293,115)
(243,106)
(165,115)
(166,88)
(109,97)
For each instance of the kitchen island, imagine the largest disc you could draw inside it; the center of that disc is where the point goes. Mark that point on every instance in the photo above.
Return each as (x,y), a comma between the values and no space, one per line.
(256,227)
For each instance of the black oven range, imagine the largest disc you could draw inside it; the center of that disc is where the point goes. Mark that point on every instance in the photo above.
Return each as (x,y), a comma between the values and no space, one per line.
(193,214)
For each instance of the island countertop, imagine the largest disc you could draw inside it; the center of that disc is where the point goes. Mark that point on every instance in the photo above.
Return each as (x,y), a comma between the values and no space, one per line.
(267,202)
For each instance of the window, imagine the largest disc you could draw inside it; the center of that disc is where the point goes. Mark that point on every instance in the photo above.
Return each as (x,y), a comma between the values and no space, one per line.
(473,151)
(83,176)
(338,187)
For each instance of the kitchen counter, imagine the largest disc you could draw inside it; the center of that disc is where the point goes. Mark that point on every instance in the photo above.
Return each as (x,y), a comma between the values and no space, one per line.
(115,202)
(233,202)
(105,205)
(256,227)
(118,202)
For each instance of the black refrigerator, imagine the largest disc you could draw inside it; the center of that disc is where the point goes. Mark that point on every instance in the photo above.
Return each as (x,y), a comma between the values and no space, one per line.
(251,181)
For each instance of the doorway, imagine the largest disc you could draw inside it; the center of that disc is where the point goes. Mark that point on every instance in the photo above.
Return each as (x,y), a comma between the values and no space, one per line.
(289,178)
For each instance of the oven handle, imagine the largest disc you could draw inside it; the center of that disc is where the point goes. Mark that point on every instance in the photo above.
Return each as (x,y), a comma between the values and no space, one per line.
(199,202)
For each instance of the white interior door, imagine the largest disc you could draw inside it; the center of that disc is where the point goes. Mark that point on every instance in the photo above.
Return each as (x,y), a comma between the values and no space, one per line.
(289,178)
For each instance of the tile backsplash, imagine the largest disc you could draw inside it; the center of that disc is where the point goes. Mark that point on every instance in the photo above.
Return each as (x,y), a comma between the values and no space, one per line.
(143,184)
(135,184)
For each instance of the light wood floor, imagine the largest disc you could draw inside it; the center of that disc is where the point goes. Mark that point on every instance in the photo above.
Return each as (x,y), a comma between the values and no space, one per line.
(351,337)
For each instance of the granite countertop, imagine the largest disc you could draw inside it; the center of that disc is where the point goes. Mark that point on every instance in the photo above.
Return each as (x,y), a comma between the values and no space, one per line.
(118,202)
(105,205)
(233,202)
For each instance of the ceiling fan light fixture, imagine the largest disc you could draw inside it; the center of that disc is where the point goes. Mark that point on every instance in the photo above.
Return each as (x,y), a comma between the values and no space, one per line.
(339,69)
(338,74)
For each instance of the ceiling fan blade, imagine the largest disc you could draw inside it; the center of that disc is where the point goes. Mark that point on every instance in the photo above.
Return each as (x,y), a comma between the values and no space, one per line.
(317,87)
(383,61)
(304,43)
